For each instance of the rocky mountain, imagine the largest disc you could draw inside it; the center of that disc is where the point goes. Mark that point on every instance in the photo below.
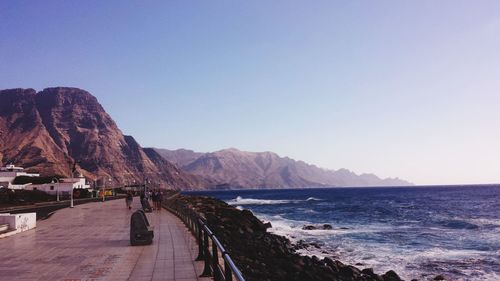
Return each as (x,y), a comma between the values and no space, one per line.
(180,157)
(234,168)
(58,128)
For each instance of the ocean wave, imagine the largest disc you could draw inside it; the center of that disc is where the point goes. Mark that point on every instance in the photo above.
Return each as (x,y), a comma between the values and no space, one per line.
(307,211)
(292,229)
(458,224)
(411,235)
(457,264)
(469,223)
(251,201)
(485,222)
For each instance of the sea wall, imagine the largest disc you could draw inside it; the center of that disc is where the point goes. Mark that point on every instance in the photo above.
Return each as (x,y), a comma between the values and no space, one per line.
(263,256)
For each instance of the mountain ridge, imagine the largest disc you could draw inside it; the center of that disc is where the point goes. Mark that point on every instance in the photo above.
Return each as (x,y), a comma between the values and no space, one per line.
(242,169)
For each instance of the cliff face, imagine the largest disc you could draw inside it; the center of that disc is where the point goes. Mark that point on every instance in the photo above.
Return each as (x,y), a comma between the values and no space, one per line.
(50,130)
(266,169)
(24,140)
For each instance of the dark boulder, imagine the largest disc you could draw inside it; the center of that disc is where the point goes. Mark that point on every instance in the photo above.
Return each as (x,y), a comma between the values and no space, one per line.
(391,276)
(309,227)
(327,227)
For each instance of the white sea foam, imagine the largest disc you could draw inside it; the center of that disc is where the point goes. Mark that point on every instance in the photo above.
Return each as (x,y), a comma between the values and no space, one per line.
(313,199)
(292,229)
(251,201)
(484,221)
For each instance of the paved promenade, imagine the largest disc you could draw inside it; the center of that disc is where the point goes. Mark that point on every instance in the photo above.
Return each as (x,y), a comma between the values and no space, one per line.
(91,242)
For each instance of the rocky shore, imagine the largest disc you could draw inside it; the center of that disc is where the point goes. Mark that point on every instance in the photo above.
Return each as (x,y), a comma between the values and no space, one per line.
(263,256)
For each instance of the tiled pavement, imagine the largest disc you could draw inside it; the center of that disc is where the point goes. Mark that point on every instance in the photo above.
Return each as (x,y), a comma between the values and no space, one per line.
(91,242)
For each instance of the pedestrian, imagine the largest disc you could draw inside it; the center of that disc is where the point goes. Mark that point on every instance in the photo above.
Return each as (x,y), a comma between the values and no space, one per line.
(150,197)
(158,201)
(129,200)
(154,198)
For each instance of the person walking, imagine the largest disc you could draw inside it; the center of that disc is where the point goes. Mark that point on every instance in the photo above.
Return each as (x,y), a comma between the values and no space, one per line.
(129,200)
(158,199)
(154,198)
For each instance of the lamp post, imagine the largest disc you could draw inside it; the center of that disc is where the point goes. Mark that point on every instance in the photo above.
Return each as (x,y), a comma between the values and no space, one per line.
(91,193)
(111,187)
(71,202)
(57,187)
(103,189)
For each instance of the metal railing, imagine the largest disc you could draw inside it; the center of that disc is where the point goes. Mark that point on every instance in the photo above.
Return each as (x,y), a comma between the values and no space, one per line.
(218,263)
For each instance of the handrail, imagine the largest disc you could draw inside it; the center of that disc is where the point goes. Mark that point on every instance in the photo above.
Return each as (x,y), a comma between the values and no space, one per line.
(210,249)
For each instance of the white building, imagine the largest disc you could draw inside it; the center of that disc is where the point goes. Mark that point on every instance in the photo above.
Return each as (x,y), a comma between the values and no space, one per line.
(9,173)
(64,186)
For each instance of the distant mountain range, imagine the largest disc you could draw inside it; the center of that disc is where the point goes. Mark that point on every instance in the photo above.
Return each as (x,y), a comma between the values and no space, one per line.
(232,168)
(59,130)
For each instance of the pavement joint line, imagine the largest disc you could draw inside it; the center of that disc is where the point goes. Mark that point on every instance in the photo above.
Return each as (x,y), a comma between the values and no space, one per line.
(91,243)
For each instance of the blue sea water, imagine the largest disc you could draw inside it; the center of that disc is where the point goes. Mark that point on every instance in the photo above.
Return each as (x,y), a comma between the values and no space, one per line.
(419,232)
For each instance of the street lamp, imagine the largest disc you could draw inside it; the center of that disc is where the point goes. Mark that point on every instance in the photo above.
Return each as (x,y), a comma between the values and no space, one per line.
(71,203)
(91,184)
(57,189)
(111,187)
(103,189)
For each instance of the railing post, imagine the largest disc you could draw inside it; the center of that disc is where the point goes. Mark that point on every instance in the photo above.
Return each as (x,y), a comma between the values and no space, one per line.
(206,269)
(215,262)
(200,243)
(228,274)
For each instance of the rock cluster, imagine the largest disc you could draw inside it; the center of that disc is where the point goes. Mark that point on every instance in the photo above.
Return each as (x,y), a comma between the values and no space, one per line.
(264,256)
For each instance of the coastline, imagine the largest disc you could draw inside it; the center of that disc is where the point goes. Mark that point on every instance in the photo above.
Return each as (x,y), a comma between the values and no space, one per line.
(262,255)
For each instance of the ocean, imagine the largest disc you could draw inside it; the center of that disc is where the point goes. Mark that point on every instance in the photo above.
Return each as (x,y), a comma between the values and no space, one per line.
(419,232)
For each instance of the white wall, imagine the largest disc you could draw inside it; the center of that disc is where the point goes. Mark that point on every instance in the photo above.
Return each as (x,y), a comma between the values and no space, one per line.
(65,185)
(18,222)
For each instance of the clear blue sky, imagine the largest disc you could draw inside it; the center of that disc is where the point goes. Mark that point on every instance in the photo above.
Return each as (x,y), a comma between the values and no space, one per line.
(397,88)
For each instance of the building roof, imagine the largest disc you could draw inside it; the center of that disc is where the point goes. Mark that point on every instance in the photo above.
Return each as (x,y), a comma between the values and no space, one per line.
(11,168)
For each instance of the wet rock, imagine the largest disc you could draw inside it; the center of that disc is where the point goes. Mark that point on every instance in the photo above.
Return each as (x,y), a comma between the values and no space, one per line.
(350,271)
(313,227)
(327,227)
(368,271)
(440,277)
(309,227)
(315,245)
(391,276)
(371,275)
